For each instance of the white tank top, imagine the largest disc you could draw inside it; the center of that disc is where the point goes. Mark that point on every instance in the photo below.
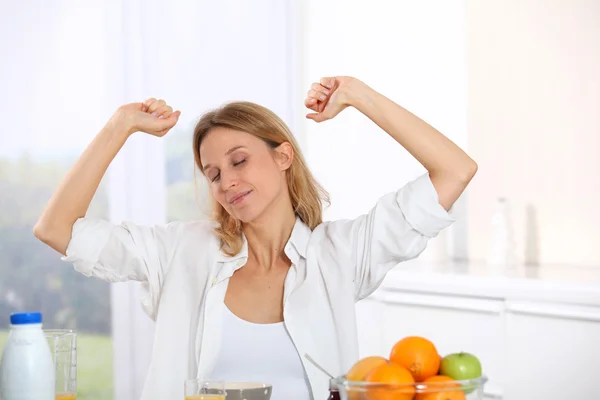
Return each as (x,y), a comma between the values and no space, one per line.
(260,353)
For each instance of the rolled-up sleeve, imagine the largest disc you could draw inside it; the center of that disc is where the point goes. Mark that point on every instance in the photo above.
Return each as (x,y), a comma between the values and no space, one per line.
(396,229)
(124,252)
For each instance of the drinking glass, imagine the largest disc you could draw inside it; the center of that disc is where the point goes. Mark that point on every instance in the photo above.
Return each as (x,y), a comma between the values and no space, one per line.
(204,389)
(63,345)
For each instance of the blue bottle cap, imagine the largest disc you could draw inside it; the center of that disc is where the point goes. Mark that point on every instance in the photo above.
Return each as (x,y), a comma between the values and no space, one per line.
(26,318)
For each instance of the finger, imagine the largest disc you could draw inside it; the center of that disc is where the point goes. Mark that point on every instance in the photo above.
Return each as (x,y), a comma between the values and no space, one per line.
(310,103)
(313,94)
(167,123)
(147,103)
(320,88)
(328,82)
(317,117)
(174,116)
(163,112)
(153,106)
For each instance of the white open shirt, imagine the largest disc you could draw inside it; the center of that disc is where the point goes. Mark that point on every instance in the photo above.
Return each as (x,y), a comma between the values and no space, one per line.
(185,277)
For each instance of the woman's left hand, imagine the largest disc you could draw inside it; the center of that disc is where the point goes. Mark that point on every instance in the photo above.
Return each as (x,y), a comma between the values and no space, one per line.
(328,97)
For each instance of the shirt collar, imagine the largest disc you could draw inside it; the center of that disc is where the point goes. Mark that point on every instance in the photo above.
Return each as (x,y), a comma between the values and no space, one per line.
(295,249)
(299,239)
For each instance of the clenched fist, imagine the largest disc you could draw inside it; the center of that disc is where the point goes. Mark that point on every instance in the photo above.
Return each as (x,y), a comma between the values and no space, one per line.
(154,117)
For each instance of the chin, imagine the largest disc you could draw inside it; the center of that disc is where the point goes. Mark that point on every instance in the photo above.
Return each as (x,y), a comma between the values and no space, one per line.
(245,219)
(247,214)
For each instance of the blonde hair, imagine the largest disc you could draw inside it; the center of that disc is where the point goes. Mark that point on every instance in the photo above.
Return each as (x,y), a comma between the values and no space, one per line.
(306,194)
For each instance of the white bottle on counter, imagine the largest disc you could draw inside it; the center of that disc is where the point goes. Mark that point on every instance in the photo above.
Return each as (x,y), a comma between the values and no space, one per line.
(26,369)
(503,247)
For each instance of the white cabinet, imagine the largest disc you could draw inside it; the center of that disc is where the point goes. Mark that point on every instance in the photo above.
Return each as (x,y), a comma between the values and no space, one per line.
(529,349)
(554,351)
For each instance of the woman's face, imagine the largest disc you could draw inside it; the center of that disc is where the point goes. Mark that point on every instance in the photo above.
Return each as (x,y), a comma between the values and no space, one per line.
(246,176)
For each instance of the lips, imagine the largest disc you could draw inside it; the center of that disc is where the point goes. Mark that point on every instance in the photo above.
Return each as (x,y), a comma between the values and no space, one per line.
(239,197)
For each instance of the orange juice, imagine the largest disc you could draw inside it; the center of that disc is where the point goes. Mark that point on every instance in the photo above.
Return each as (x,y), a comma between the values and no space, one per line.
(205,397)
(66,396)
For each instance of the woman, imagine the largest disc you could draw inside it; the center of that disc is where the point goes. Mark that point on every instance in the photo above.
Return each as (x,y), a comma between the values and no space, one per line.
(246,296)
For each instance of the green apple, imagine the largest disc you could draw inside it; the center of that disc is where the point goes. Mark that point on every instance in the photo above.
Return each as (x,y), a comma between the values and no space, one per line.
(461,366)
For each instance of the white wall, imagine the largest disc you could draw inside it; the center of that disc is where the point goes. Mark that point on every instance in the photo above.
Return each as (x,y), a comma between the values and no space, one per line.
(414,53)
(534,125)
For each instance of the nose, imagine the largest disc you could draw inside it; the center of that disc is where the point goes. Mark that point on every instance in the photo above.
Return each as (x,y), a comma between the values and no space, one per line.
(229,179)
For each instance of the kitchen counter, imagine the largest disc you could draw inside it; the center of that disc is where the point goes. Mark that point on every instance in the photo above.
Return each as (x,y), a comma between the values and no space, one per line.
(556,284)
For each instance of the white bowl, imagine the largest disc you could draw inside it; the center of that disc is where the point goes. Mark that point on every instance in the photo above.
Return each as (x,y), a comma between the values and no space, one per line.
(248,391)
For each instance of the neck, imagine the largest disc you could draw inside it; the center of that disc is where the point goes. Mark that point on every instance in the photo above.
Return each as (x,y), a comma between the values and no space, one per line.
(268,235)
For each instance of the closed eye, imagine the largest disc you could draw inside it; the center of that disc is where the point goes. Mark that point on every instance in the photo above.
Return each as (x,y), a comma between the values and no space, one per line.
(235,164)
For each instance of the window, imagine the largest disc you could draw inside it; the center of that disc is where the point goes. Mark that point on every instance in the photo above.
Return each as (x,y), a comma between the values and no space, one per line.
(52,105)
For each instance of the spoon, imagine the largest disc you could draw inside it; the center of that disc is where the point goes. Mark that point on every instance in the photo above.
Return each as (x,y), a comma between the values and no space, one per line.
(309,358)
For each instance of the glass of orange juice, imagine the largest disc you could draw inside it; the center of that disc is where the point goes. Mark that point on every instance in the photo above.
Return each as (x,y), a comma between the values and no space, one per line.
(204,389)
(63,345)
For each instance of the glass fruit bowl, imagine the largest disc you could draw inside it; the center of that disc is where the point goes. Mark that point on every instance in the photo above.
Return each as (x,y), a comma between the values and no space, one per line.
(471,389)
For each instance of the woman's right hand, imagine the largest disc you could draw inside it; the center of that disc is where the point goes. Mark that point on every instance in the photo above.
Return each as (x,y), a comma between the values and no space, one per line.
(153,116)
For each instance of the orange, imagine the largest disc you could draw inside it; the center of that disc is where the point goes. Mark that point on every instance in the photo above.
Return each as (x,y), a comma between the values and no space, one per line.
(437,389)
(417,354)
(363,366)
(390,374)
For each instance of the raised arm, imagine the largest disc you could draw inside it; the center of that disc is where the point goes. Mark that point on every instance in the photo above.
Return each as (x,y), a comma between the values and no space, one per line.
(449,167)
(399,226)
(74,194)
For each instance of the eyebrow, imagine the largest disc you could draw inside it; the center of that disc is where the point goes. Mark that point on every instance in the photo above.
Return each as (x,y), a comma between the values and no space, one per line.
(231,150)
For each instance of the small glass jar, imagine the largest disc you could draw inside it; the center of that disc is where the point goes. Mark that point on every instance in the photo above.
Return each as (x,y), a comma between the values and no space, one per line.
(334,392)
